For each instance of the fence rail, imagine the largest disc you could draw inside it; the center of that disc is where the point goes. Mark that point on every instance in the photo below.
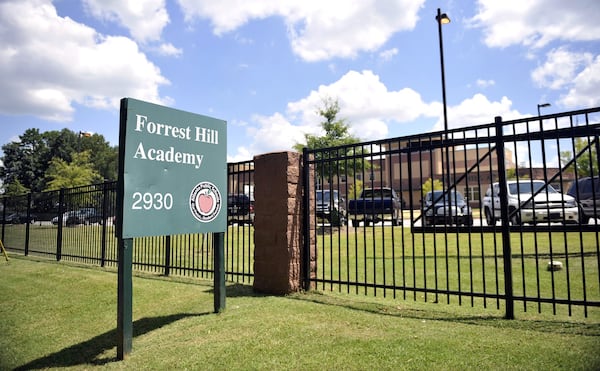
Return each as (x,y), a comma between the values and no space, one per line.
(472,240)
(77,224)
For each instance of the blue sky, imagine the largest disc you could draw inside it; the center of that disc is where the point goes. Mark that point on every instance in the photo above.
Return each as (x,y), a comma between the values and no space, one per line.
(265,66)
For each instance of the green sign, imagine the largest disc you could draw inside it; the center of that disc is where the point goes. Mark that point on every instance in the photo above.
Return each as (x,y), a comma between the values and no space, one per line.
(172,171)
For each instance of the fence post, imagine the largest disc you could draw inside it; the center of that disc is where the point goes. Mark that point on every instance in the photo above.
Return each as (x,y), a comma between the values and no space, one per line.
(167,255)
(506,248)
(3,215)
(27,224)
(104,222)
(305,221)
(61,201)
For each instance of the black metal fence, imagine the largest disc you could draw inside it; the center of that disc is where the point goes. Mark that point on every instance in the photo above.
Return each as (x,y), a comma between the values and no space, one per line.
(451,216)
(77,224)
(442,221)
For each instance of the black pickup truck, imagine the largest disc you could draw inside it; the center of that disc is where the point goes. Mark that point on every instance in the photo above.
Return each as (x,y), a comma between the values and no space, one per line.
(375,205)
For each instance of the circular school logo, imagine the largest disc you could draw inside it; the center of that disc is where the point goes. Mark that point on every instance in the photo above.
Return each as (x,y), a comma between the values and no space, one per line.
(205,202)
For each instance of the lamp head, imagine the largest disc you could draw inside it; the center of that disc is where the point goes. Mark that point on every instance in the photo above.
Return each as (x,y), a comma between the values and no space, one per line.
(442,18)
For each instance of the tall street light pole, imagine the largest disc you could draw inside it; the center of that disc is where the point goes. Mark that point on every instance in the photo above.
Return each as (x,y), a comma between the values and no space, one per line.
(441,19)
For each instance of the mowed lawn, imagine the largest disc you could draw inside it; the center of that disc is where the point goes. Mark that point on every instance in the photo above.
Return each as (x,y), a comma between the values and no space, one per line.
(59,315)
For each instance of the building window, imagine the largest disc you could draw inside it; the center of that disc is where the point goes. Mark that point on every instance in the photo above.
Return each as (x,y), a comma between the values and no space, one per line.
(472,193)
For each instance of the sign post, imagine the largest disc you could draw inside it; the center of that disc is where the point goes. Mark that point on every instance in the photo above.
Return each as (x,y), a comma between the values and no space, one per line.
(172,180)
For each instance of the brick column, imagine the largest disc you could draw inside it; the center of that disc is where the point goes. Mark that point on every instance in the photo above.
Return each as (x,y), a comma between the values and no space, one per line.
(278,222)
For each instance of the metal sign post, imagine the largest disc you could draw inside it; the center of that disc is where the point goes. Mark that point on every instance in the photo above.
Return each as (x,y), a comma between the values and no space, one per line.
(172,180)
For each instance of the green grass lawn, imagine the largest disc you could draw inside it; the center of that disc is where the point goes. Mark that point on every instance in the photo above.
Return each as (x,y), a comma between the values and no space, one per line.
(390,261)
(58,315)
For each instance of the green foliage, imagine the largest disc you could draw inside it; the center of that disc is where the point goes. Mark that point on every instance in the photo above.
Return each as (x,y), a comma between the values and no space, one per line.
(336,135)
(15,188)
(355,189)
(78,172)
(28,159)
(431,185)
(586,163)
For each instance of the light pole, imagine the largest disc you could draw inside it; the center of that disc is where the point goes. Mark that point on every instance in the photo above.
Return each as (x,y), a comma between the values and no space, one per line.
(541,106)
(441,19)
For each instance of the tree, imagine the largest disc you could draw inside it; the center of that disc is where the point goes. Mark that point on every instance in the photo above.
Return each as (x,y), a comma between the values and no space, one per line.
(336,135)
(586,163)
(431,185)
(15,188)
(77,173)
(27,159)
(355,189)
(24,161)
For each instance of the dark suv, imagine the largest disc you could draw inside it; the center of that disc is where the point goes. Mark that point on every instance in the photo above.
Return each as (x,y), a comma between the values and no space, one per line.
(587,192)
(331,206)
(240,209)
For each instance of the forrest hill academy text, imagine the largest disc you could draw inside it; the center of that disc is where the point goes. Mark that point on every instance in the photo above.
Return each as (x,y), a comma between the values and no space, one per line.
(196,134)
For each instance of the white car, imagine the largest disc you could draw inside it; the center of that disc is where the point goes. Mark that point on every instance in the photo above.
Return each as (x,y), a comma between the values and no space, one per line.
(530,201)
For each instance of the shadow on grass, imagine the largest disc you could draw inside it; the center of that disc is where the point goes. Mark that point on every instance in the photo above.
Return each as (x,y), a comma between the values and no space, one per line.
(558,326)
(89,352)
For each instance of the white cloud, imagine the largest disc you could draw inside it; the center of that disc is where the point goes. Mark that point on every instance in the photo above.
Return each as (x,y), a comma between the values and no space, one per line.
(145,19)
(477,110)
(576,73)
(536,23)
(585,87)
(387,55)
(363,97)
(560,68)
(318,30)
(485,83)
(169,49)
(273,133)
(48,63)
(365,103)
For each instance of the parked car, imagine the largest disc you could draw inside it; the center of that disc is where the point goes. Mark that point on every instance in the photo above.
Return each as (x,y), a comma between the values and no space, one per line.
(446,208)
(587,193)
(86,215)
(240,209)
(18,218)
(530,201)
(375,205)
(331,206)
(55,219)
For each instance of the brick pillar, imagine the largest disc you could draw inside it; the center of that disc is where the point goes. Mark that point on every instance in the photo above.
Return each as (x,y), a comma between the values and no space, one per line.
(278,222)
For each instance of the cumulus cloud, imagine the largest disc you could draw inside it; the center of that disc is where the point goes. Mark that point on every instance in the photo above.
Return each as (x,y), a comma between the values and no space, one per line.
(365,103)
(576,73)
(318,30)
(476,111)
(145,19)
(584,90)
(560,68)
(48,63)
(369,109)
(536,23)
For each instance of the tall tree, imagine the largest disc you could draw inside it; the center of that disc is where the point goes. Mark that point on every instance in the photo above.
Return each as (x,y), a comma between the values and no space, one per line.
(27,159)
(336,135)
